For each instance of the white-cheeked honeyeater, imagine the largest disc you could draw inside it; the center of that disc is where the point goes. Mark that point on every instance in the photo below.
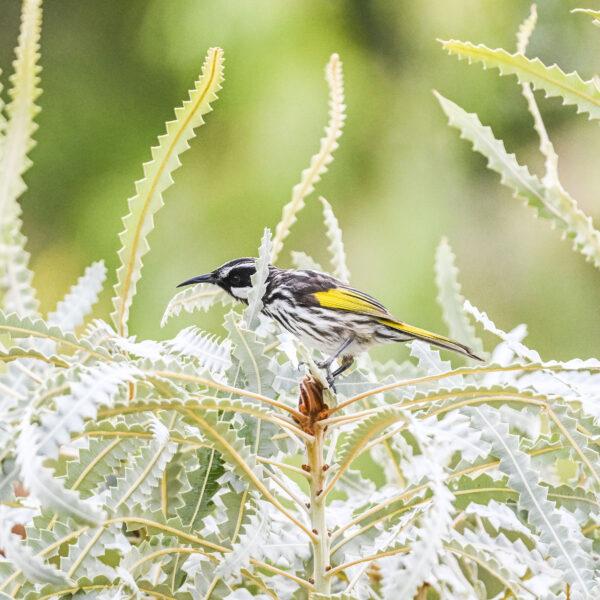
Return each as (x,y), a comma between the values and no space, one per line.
(323,312)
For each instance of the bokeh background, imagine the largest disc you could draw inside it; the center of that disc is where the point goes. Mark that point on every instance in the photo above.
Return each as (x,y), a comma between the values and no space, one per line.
(113,71)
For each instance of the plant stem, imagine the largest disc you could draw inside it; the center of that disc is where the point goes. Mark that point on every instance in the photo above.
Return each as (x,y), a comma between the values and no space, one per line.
(321,553)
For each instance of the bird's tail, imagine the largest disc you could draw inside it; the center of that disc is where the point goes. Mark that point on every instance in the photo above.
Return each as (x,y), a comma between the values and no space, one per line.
(431,338)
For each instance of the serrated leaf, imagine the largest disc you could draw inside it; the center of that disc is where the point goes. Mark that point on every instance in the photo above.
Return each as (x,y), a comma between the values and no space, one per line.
(17,327)
(259,280)
(336,249)
(249,351)
(451,300)
(590,12)
(251,539)
(481,490)
(71,311)
(89,390)
(213,354)
(320,161)
(197,297)
(17,552)
(301,260)
(361,435)
(566,545)
(517,177)
(44,487)
(157,178)
(573,90)
(224,438)
(197,501)
(144,472)
(552,203)
(15,276)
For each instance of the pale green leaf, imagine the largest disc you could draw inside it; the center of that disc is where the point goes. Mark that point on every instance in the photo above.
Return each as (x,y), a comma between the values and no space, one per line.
(43,486)
(144,471)
(250,352)
(157,178)
(566,545)
(336,246)
(213,354)
(552,203)
(451,300)
(15,276)
(71,311)
(590,12)
(585,95)
(259,281)
(201,296)
(320,161)
(33,567)
(17,327)
(301,260)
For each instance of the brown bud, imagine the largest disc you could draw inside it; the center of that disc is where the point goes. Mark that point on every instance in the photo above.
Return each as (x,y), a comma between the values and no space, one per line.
(325,467)
(320,492)
(315,532)
(306,468)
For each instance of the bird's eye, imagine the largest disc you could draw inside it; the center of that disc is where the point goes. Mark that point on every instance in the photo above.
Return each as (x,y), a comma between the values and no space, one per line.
(236,279)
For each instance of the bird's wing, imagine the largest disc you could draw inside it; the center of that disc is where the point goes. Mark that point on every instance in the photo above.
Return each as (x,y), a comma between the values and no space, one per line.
(345,298)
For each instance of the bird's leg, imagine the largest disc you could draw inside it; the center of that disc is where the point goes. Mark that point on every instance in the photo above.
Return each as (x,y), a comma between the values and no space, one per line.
(326,364)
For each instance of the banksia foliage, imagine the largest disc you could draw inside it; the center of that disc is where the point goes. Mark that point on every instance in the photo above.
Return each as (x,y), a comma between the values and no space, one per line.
(223,467)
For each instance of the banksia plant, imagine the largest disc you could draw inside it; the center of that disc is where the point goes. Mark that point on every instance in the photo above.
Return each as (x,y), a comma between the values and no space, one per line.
(224,467)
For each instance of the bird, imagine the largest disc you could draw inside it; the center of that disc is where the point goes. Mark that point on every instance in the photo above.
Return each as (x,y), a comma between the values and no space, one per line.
(322,312)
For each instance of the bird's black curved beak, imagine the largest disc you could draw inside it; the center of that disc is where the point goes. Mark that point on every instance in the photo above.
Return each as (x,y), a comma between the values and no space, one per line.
(208,278)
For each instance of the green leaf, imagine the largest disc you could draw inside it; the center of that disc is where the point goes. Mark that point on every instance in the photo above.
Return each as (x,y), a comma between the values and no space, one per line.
(552,203)
(336,245)
(320,161)
(481,490)
(198,501)
(157,178)
(585,95)
(451,300)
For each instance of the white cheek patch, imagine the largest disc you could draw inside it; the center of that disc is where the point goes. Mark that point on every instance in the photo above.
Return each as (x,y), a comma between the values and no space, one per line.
(241,292)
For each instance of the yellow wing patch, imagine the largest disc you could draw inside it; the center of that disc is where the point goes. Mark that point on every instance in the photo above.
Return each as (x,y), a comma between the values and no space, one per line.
(343,299)
(417,331)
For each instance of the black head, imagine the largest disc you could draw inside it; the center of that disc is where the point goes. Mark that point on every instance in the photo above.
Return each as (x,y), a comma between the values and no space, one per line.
(234,277)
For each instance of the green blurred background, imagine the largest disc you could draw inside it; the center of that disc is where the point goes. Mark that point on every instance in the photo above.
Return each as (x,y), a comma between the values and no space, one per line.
(113,71)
